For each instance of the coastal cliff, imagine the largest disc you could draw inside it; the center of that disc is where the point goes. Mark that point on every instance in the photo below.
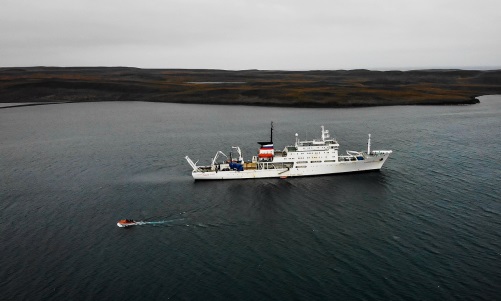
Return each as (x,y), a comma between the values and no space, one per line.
(340,88)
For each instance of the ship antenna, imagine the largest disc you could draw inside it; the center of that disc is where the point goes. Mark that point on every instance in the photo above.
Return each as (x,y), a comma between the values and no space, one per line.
(271,134)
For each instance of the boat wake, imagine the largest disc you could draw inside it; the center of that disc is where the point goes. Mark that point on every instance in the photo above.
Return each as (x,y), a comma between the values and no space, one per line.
(140,223)
(196,218)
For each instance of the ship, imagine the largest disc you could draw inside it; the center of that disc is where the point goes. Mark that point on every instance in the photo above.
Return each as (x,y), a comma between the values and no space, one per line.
(124,223)
(304,158)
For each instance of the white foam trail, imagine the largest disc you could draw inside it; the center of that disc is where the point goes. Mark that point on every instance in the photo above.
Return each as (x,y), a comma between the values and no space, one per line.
(139,223)
(154,223)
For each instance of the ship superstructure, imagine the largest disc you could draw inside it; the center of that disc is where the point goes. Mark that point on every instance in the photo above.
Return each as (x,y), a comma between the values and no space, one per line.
(304,158)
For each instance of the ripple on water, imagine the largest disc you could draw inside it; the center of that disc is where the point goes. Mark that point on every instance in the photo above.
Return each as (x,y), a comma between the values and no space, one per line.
(425,227)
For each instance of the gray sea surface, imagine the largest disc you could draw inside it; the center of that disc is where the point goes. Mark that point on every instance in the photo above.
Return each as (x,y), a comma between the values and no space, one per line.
(426,227)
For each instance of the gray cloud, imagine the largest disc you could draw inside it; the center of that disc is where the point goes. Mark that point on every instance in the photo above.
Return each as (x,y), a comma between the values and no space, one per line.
(244,34)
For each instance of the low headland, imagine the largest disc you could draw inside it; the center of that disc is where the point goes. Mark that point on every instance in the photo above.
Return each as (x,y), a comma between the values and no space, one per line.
(339,88)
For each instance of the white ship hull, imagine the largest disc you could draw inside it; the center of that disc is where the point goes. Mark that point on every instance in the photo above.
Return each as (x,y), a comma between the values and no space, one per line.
(310,170)
(305,158)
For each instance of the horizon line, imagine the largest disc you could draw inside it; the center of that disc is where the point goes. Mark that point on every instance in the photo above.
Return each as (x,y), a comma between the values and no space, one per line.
(466,68)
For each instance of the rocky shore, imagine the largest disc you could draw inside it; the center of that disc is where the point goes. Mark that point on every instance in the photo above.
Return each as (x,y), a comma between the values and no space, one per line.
(340,88)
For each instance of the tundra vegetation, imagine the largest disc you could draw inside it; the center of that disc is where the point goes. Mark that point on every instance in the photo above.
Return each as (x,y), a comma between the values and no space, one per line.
(339,88)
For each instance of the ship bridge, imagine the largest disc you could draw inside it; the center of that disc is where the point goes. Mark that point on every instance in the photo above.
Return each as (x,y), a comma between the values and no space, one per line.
(325,143)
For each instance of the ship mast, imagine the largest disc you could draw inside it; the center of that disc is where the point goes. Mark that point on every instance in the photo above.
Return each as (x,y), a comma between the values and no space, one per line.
(369,145)
(271,132)
(271,137)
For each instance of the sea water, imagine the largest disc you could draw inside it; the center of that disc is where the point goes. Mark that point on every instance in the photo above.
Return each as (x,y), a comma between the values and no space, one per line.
(426,227)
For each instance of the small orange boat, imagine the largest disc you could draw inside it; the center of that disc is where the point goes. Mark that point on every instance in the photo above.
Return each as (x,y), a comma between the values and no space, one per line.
(123,223)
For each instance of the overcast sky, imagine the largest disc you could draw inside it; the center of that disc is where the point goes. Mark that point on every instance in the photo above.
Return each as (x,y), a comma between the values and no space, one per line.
(252,34)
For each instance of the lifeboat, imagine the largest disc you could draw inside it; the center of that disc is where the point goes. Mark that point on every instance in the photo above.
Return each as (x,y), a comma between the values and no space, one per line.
(123,223)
